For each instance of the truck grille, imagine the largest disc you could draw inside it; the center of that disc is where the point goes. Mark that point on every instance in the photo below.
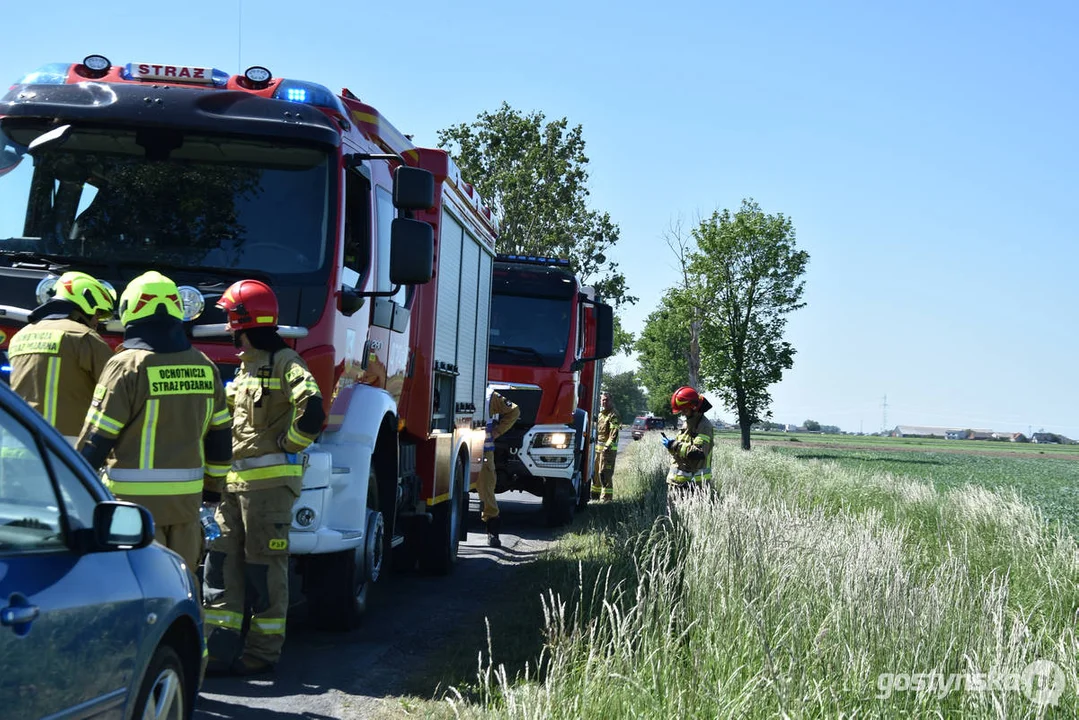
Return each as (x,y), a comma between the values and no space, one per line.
(528,400)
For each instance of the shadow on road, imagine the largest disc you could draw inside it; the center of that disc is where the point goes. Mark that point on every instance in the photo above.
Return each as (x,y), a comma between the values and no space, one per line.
(410,618)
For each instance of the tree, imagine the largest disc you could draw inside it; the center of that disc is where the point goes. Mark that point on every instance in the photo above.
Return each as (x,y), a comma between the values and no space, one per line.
(751,280)
(628,397)
(811,426)
(662,352)
(535,175)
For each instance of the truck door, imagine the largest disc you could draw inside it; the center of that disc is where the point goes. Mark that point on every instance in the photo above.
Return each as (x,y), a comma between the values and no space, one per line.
(389,323)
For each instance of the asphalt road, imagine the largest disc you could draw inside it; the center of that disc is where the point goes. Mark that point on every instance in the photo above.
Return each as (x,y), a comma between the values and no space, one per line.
(342,675)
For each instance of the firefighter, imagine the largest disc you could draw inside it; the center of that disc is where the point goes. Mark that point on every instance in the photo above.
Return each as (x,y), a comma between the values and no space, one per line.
(501,415)
(57,359)
(608,424)
(158,420)
(691,450)
(278,412)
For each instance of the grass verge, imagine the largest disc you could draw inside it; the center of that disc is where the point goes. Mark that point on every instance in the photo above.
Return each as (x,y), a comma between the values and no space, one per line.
(795,589)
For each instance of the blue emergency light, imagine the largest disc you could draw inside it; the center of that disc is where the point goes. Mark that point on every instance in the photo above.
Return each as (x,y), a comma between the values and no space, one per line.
(307,93)
(5,373)
(534,259)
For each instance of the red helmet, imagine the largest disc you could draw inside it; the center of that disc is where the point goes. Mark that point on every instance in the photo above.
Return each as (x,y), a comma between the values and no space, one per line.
(249,304)
(685,399)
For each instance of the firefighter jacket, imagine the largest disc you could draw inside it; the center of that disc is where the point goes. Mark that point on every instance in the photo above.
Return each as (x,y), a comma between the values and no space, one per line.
(277,409)
(161,420)
(501,414)
(607,427)
(55,364)
(691,452)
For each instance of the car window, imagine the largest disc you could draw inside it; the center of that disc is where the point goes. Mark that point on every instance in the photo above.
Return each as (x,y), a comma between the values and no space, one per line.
(29,511)
(78,502)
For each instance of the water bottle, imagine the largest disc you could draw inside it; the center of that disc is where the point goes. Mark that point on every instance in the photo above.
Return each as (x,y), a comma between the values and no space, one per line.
(210,529)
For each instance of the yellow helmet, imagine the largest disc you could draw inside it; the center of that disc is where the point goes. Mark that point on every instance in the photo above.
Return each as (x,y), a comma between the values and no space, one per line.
(91,295)
(145,294)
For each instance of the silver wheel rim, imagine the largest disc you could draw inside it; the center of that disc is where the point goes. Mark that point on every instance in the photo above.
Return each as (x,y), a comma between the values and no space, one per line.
(166,700)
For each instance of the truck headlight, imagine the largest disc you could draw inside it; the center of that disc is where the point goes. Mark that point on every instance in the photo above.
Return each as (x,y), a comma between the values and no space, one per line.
(556,440)
(305,516)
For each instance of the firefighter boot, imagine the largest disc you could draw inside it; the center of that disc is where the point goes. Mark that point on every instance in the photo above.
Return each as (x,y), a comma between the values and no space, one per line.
(493,525)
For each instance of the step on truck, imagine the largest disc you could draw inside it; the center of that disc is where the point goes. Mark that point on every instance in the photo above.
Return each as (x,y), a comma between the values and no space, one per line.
(549,335)
(380,254)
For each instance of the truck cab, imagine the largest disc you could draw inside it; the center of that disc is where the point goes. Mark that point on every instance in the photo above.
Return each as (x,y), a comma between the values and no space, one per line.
(548,337)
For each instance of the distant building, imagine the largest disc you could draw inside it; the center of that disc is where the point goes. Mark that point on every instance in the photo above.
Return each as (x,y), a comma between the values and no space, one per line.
(1044,438)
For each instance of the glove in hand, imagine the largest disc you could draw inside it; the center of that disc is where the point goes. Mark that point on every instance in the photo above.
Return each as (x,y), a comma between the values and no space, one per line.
(667,442)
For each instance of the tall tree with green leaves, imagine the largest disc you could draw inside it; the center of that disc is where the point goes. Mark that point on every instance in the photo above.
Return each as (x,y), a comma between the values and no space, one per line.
(534,173)
(663,352)
(751,279)
(626,394)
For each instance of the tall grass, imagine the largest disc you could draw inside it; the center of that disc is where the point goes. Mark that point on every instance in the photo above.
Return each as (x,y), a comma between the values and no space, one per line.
(789,590)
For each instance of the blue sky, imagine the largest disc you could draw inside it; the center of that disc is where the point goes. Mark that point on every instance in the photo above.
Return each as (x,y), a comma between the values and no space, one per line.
(926,152)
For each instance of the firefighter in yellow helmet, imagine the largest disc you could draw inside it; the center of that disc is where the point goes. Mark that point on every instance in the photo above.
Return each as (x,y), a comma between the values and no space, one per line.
(691,450)
(608,424)
(501,415)
(158,421)
(57,359)
(278,412)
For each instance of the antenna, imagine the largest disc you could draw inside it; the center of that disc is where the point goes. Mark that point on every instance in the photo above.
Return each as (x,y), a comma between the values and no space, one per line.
(884,419)
(239,35)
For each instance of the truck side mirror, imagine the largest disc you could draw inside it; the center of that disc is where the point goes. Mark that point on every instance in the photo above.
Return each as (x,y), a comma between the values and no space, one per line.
(350,302)
(413,188)
(604,330)
(412,252)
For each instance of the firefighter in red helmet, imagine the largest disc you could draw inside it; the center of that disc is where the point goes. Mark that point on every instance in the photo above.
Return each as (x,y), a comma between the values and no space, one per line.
(277,412)
(691,450)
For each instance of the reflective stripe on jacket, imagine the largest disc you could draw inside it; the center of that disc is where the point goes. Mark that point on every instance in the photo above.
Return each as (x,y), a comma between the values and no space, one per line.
(159,408)
(55,365)
(691,452)
(269,396)
(607,426)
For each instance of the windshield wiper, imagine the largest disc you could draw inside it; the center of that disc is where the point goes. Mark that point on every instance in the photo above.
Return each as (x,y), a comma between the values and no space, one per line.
(521,350)
(197,269)
(52,258)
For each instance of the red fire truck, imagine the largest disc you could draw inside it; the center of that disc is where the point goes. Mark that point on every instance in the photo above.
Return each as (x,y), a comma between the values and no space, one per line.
(380,254)
(548,338)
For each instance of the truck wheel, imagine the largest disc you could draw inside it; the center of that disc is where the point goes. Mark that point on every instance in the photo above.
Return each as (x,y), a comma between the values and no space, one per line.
(342,580)
(439,553)
(559,501)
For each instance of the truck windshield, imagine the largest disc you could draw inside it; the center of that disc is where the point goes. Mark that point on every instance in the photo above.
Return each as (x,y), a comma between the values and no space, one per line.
(529,330)
(163,196)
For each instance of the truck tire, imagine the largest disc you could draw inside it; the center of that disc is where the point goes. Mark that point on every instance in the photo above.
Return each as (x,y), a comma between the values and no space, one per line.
(559,501)
(340,589)
(443,535)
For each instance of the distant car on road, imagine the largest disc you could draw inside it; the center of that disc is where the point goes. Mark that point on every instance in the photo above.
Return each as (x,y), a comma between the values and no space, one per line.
(96,620)
(644,423)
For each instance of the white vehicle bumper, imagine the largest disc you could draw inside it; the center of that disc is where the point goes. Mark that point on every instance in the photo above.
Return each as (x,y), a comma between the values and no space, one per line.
(543,459)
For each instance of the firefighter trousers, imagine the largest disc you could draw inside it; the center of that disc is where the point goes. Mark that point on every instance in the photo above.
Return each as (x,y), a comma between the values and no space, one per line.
(185,539)
(605,475)
(485,486)
(247,575)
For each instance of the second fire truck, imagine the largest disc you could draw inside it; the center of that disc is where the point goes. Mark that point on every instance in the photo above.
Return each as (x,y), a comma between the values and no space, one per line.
(549,336)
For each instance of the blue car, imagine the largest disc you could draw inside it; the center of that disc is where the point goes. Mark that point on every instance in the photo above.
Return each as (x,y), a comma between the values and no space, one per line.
(96,620)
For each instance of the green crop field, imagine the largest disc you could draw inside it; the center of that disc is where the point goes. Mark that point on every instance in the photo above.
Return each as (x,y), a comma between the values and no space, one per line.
(1049,483)
(927,444)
